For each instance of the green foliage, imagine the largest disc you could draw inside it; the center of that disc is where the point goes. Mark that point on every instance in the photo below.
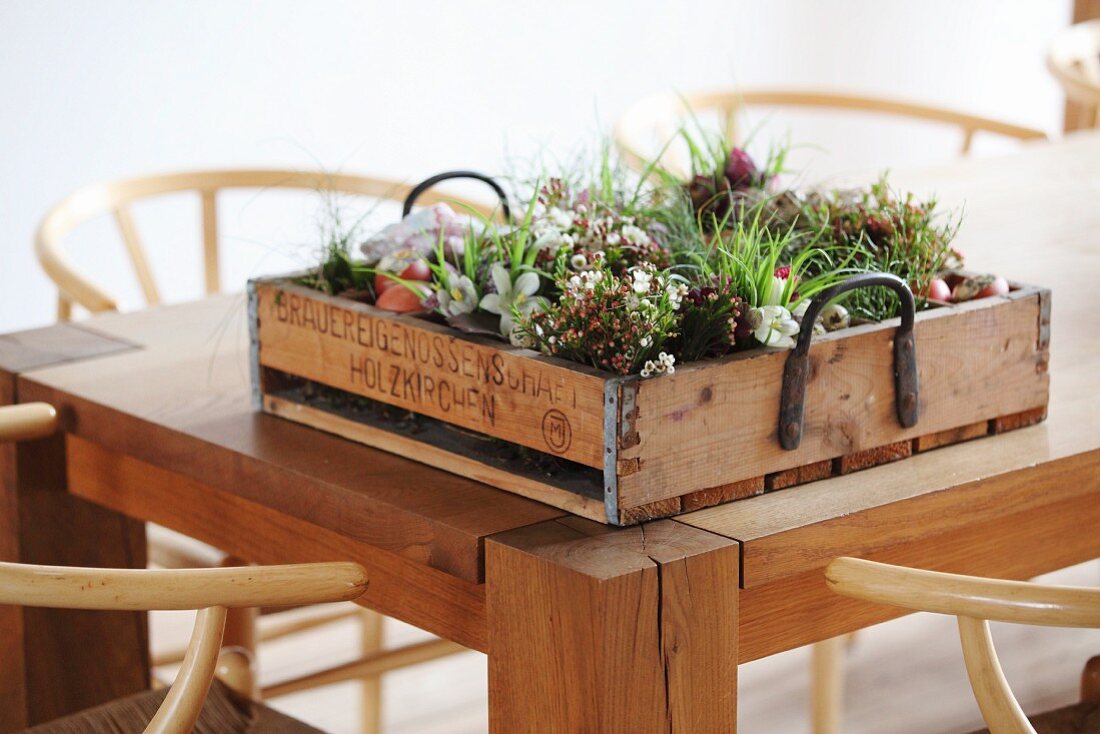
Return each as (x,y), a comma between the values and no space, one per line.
(338,271)
(880,230)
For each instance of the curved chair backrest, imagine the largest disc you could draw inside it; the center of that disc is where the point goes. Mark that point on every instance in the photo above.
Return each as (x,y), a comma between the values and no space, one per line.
(116,197)
(1074,60)
(974,601)
(661,116)
(209,590)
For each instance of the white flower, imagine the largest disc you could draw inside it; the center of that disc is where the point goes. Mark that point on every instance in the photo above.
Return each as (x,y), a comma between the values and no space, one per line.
(460,298)
(665,365)
(613,239)
(561,218)
(642,280)
(773,326)
(578,261)
(548,239)
(635,235)
(511,298)
(645,341)
(676,293)
(775,291)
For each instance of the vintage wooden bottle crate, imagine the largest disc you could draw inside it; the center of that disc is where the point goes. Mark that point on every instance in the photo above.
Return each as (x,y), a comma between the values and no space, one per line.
(624,449)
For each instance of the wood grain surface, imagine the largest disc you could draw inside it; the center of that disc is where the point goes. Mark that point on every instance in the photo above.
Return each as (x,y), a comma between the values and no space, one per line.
(598,630)
(433,600)
(181,402)
(487,386)
(976,361)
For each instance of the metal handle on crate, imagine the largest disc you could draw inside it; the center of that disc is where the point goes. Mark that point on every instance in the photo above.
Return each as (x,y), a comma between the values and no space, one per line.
(427,183)
(796,372)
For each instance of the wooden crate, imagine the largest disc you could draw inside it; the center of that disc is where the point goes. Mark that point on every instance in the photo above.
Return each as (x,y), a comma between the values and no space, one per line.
(622,449)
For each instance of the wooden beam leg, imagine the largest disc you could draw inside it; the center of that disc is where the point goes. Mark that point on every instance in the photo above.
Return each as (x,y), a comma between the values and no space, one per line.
(54,662)
(827,685)
(597,629)
(370,624)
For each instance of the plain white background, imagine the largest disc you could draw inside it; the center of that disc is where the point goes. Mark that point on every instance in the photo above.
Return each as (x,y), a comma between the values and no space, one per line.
(94,91)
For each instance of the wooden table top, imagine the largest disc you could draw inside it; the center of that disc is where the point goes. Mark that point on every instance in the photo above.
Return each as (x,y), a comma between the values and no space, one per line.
(177,397)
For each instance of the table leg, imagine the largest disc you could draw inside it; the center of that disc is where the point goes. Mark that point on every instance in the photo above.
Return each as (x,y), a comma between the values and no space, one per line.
(54,662)
(597,629)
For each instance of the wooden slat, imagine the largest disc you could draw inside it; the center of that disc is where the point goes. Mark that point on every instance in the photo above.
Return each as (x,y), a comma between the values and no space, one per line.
(403,589)
(950,436)
(426,453)
(976,361)
(489,387)
(137,255)
(594,629)
(211,266)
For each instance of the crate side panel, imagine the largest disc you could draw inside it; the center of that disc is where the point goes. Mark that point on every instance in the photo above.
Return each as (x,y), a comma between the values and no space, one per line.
(428,369)
(437,456)
(712,425)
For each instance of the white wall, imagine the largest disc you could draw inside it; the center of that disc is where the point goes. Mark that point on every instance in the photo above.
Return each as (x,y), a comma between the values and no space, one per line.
(92,91)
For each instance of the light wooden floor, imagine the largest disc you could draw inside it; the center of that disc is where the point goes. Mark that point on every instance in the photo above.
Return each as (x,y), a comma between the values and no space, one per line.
(903,676)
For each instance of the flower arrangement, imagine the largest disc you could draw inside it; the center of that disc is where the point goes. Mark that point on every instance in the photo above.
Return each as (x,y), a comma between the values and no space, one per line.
(642,275)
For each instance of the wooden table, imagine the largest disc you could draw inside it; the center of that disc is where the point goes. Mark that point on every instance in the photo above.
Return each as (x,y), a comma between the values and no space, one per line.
(587,628)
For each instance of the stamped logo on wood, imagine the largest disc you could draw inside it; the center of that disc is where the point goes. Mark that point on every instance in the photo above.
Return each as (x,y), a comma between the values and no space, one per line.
(425,369)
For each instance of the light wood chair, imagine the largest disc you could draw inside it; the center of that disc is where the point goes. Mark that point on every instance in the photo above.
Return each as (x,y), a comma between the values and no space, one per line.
(975,601)
(1074,60)
(655,120)
(116,199)
(211,591)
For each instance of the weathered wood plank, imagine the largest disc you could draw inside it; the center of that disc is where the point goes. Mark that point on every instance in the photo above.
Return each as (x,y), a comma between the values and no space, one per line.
(513,394)
(868,458)
(950,436)
(725,493)
(441,458)
(977,361)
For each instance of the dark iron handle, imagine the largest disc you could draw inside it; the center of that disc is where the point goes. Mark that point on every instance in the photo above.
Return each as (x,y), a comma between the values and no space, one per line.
(797,369)
(427,183)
